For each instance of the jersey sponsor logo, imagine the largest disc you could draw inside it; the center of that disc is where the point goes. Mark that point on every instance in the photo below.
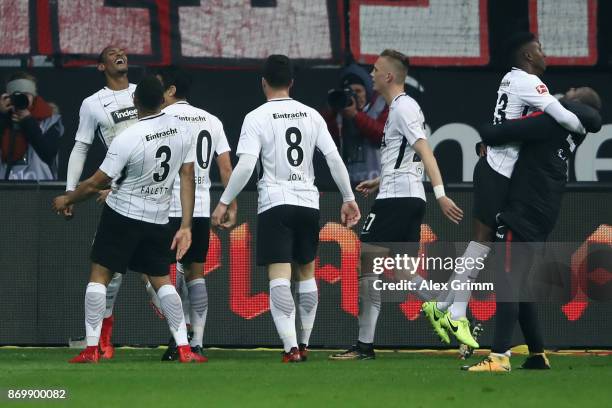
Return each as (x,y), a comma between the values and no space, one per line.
(105,105)
(542,89)
(505,83)
(124,114)
(297,115)
(159,135)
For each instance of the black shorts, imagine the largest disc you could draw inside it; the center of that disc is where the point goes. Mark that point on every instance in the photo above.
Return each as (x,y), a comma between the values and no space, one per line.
(200,236)
(287,233)
(121,243)
(490,193)
(394,220)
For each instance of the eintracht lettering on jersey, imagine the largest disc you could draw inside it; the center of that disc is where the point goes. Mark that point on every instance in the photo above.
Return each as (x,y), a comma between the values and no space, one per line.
(284,134)
(519,94)
(209,139)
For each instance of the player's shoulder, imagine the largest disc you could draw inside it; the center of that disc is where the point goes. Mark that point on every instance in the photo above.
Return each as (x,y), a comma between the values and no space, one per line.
(405,104)
(103,93)
(519,79)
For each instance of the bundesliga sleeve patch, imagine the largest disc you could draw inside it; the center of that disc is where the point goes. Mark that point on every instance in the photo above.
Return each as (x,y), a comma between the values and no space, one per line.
(542,89)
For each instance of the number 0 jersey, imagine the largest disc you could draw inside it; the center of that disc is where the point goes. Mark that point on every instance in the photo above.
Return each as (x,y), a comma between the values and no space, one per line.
(284,133)
(519,94)
(143,161)
(402,169)
(209,138)
(105,114)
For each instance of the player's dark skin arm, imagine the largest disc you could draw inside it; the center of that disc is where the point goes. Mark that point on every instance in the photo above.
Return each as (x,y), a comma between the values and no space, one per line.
(182,239)
(539,128)
(88,188)
(225,172)
(187,177)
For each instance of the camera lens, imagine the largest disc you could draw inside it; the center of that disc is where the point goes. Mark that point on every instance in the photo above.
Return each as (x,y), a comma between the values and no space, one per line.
(19,101)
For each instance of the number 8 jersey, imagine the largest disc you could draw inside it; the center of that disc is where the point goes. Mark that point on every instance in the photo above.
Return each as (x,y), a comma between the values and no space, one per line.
(284,134)
(209,138)
(402,169)
(143,162)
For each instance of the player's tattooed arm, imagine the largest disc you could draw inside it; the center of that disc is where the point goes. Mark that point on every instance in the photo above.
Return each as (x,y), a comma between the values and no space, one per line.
(88,188)
(448,207)
(225,171)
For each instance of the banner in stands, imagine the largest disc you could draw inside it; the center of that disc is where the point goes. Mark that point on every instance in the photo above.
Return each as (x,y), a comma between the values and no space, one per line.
(45,267)
(431,32)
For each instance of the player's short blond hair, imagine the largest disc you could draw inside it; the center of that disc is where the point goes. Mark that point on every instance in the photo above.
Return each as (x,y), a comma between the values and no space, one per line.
(399,64)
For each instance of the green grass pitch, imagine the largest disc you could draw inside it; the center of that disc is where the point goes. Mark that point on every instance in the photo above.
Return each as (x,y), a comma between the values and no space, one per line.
(136,378)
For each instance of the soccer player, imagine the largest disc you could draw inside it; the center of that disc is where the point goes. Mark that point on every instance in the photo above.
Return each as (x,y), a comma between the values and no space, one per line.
(142,162)
(209,138)
(520,93)
(284,134)
(398,210)
(536,190)
(104,115)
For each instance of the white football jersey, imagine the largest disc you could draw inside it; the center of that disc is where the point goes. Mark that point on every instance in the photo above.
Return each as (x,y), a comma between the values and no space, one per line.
(143,162)
(209,137)
(105,114)
(402,169)
(284,134)
(519,95)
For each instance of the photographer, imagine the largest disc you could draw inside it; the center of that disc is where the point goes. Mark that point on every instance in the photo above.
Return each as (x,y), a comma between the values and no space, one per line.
(356,120)
(30,132)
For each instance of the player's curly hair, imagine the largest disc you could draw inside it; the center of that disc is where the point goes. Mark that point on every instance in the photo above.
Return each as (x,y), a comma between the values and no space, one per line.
(149,93)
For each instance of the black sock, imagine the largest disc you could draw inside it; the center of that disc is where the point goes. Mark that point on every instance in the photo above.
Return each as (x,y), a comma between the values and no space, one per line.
(528,320)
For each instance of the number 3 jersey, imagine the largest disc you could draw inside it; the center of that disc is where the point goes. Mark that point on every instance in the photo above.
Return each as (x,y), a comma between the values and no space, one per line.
(209,138)
(402,169)
(143,161)
(284,134)
(519,95)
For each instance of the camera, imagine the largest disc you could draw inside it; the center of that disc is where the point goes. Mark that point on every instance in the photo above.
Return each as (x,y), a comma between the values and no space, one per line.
(339,99)
(19,100)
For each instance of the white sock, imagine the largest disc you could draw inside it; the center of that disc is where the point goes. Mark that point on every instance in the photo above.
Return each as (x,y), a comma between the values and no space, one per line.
(198,299)
(153,295)
(173,310)
(111,293)
(282,308)
(461,298)
(308,300)
(423,294)
(443,306)
(95,302)
(369,308)
(181,288)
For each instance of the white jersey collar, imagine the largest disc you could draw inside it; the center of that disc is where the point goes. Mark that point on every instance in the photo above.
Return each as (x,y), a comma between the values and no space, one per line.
(152,116)
(397,97)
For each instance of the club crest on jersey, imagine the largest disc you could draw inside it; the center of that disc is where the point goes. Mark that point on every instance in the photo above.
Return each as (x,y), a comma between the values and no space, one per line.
(542,89)
(124,114)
